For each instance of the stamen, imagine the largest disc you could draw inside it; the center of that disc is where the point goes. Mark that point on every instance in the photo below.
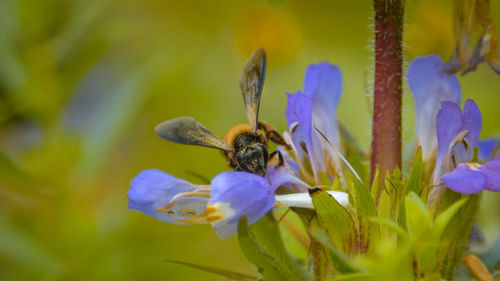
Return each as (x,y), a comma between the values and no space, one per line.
(454,161)
(164,210)
(303,146)
(460,137)
(465,143)
(340,155)
(176,198)
(189,194)
(202,187)
(189,211)
(305,173)
(213,218)
(191,220)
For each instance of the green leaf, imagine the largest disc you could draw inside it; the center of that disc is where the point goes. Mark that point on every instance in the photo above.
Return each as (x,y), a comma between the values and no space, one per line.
(418,217)
(366,210)
(341,262)
(413,184)
(262,245)
(429,244)
(391,226)
(457,233)
(444,218)
(396,189)
(222,272)
(335,219)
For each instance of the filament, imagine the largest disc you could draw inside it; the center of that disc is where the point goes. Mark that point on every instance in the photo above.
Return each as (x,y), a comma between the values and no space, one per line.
(340,155)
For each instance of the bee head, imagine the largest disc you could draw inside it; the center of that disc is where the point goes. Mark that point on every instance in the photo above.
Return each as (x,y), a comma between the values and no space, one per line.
(253,159)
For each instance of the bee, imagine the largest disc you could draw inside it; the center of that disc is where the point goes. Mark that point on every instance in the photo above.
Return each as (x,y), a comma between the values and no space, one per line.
(245,146)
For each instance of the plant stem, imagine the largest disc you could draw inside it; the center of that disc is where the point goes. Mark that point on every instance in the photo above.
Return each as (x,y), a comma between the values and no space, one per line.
(386,132)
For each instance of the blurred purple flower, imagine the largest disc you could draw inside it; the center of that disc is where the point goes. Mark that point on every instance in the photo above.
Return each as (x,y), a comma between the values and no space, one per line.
(312,120)
(430,86)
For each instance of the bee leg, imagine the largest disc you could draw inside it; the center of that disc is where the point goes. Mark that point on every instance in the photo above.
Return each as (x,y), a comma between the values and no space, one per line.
(280,157)
(238,168)
(272,134)
(277,138)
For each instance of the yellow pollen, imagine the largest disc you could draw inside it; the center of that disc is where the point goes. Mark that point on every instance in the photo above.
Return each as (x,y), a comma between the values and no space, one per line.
(473,166)
(211,209)
(278,204)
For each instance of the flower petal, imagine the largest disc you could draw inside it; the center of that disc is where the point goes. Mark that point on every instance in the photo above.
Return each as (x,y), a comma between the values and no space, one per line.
(465,180)
(287,176)
(448,125)
(323,83)
(487,147)
(430,86)
(299,118)
(298,109)
(472,122)
(238,194)
(491,170)
(152,190)
(303,200)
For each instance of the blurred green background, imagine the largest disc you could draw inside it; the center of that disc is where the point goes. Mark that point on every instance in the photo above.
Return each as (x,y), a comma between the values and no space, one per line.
(84,82)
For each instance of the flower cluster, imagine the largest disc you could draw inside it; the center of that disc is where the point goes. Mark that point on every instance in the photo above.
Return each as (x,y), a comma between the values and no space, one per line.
(446,136)
(314,140)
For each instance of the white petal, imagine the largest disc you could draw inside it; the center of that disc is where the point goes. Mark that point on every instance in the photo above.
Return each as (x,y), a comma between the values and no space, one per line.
(303,200)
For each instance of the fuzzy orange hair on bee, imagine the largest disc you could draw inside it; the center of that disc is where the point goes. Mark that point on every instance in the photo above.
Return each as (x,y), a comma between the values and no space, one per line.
(245,145)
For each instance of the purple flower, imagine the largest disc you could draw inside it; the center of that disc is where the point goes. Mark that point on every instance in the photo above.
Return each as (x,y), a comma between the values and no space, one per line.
(473,178)
(238,194)
(457,135)
(230,196)
(162,196)
(312,120)
(430,86)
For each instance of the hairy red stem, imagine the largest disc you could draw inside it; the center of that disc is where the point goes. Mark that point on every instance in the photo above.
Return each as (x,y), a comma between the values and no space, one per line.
(386,132)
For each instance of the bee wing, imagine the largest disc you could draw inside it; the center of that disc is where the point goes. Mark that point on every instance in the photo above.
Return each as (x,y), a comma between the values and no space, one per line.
(251,82)
(186,130)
